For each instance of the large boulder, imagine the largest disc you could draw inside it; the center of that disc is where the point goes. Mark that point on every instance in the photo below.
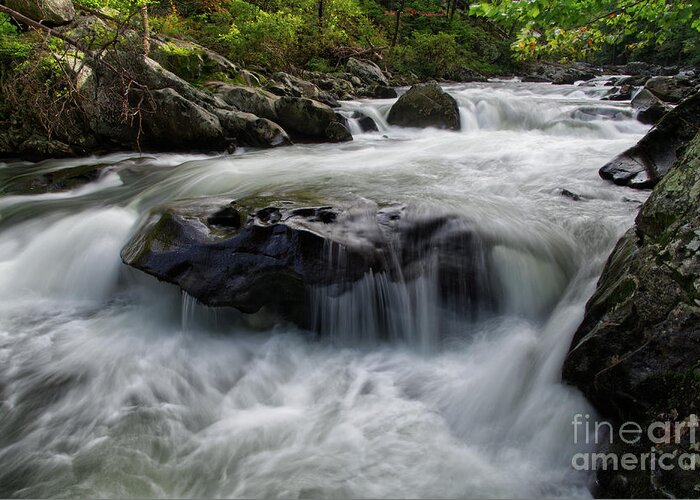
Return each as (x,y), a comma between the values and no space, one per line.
(284,84)
(249,99)
(671,89)
(636,355)
(50,11)
(174,122)
(644,164)
(191,61)
(339,86)
(369,73)
(308,119)
(242,128)
(650,109)
(248,255)
(426,105)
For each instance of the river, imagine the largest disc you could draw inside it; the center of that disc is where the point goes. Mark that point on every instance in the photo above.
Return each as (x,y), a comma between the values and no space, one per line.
(115,385)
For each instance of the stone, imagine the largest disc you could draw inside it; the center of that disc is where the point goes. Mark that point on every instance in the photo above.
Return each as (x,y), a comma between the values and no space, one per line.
(366,123)
(425,105)
(248,129)
(671,89)
(621,93)
(54,181)
(40,147)
(309,119)
(383,92)
(250,100)
(561,74)
(636,355)
(650,108)
(54,12)
(644,164)
(283,251)
(368,72)
(176,123)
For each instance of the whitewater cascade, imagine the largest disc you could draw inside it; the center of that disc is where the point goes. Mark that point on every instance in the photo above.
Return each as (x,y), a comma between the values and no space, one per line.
(113,384)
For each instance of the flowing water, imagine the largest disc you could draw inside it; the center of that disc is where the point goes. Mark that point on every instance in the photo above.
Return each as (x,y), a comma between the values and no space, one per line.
(112,384)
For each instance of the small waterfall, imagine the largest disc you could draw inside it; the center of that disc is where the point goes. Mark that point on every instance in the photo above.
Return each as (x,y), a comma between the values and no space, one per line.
(497,107)
(189,305)
(442,278)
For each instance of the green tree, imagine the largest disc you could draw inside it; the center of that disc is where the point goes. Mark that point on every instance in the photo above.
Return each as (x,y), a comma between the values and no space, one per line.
(574,29)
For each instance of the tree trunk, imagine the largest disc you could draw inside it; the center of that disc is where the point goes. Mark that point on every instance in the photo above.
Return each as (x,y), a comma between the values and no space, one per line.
(146,30)
(397,27)
(320,13)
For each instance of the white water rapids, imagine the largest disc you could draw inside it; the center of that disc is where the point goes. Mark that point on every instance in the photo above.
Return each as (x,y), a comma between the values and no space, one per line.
(114,385)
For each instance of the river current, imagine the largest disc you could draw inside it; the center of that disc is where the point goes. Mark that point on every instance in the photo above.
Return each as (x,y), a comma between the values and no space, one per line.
(115,385)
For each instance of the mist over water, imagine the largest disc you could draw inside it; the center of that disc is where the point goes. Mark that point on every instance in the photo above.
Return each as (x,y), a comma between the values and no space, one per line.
(115,385)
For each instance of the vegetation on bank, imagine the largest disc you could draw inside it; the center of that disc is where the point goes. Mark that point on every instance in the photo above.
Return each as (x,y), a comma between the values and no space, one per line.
(604,31)
(42,66)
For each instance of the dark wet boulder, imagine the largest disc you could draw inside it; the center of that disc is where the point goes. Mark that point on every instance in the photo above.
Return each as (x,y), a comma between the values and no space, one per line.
(366,123)
(636,355)
(248,129)
(621,93)
(309,119)
(275,256)
(38,147)
(633,81)
(671,89)
(425,105)
(650,109)
(384,92)
(50,11)
(644,164)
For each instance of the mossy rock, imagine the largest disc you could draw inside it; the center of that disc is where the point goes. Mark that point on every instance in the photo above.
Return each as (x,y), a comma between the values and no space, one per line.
(636,355)
(425,105)
(183,60)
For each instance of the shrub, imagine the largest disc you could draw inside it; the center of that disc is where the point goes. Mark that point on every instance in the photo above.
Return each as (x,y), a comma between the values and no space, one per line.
(428,55)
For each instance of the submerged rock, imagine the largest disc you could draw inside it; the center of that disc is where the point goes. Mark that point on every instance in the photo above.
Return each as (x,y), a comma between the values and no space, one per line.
(636,355)
(644,164)
(250,257)
(54,181)
(425,105)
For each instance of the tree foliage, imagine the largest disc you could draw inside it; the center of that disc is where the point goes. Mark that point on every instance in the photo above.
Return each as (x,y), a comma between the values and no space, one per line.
(577,29)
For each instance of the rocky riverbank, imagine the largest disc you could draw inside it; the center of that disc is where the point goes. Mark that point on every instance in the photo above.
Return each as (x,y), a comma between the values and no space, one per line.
(115,99)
